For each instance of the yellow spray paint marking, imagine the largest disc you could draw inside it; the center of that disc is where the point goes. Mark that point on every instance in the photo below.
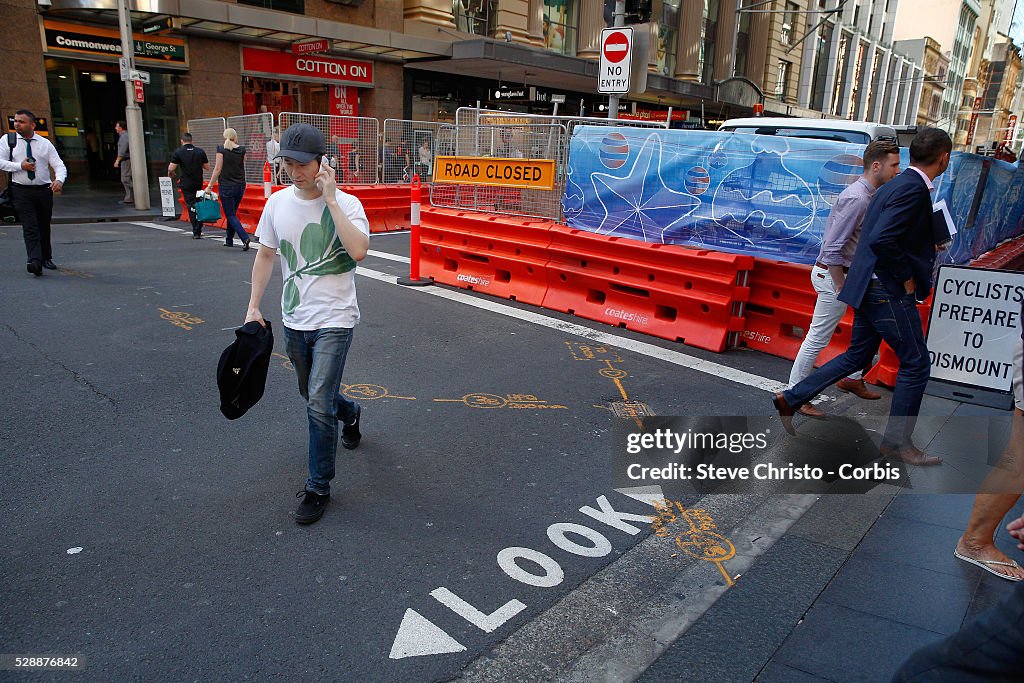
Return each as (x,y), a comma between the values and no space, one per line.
(591,351)
(513,401)
(699,538)
(76,273)
(287,364)
(607,356)
(370,392)
(180,318)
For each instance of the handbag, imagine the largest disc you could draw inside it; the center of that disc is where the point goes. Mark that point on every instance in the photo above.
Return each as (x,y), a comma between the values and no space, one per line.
(207,210)
(9,214)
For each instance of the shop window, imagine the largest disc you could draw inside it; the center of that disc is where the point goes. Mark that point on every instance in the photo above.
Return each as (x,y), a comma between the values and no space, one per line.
(667,37)
(789,23)
(295,6)
(560,25)
(637,12)
(782,81)
(706,58)
(475,16)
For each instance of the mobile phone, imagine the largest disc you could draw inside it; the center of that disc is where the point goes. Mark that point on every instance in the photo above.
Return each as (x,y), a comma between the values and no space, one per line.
(322,163)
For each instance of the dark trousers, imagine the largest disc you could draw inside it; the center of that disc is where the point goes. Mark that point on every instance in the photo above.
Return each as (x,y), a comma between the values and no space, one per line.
(230,200)
(35,206)
(896,320)
(989,649)
(189,195)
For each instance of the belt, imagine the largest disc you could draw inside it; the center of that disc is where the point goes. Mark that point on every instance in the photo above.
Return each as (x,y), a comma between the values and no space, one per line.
(33,187)
(819,264)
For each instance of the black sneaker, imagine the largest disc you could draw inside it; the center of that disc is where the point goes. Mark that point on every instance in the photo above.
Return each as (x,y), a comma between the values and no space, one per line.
(311,508)
(350,435)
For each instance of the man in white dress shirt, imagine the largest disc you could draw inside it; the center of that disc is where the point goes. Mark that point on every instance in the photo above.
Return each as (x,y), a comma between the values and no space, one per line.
(37,173)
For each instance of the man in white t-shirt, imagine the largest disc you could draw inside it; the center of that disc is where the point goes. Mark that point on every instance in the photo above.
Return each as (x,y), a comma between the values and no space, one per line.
(320,233)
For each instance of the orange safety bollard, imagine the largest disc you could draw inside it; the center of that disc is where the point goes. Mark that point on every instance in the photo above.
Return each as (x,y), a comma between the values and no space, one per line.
(266,180)
(414,238)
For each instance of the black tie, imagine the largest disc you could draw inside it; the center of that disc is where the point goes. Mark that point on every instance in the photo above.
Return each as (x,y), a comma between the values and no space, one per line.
(28,157)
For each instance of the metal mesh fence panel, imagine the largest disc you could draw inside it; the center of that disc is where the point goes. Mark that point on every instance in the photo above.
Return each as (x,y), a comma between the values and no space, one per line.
(353,144)
(207,134)
(408,149)
(506,145)
(254,130)
(471,116)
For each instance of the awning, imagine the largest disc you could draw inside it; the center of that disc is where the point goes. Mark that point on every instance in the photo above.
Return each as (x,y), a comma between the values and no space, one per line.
(255,25)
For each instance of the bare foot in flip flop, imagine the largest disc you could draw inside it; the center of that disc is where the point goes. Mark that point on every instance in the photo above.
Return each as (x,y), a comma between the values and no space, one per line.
(991,559)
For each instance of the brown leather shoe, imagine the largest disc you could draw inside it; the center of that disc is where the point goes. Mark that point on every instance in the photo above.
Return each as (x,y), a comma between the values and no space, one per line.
(912,455)
(786,412)
(857,388)
(812,412)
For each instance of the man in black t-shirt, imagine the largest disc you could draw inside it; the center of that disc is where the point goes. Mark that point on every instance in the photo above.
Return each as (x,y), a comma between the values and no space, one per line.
(192,161)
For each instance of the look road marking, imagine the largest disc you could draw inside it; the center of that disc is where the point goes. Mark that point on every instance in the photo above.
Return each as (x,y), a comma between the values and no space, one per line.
(674,357)
(417,636)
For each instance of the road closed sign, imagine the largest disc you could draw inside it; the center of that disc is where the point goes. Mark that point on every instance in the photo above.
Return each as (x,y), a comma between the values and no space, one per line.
(616,60)
(974,328)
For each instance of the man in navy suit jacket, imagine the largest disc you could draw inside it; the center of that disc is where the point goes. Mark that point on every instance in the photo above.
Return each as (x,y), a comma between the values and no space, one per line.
(891,270)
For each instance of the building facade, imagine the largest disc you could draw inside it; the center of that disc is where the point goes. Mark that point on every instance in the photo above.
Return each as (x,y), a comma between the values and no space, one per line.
(953,24)
(849,68)
(423,59)
(927,52)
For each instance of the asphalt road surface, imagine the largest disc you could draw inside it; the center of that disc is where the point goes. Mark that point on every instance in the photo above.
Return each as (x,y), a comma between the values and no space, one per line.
(153,539)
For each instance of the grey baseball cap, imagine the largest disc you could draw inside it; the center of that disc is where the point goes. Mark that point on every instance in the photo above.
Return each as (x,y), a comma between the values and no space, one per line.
(302,142)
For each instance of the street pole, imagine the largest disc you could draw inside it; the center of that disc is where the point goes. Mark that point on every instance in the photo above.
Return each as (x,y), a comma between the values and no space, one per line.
(133,113)
(618,21)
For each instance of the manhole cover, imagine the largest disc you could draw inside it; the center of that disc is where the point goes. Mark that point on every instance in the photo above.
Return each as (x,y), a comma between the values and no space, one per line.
(630,409)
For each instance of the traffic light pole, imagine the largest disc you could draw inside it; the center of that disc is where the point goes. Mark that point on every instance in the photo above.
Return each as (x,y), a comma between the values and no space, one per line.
(133,113)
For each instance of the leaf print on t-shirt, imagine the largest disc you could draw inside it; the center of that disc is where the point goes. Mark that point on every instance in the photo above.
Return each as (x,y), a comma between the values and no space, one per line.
(322,253)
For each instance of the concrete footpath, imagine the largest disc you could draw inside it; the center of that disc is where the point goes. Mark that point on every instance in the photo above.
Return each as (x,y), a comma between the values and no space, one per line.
(853,588)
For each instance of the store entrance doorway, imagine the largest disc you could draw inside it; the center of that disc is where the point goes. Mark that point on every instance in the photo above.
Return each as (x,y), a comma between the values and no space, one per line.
(102,106)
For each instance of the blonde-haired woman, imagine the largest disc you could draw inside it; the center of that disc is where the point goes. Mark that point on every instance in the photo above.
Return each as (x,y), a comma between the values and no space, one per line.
(230,170)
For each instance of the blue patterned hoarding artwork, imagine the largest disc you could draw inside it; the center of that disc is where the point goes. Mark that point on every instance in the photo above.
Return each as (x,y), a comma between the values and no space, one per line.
(760,195)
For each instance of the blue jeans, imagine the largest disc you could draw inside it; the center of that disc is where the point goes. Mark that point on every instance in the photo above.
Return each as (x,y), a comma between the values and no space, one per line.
(230,199)
(897,321)
(319,360)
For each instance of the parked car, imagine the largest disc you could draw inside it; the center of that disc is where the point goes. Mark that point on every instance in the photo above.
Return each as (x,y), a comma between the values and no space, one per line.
(860,132)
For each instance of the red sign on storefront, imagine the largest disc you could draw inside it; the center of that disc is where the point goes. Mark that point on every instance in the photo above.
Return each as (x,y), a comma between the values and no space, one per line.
(1010,129)
(310,47)
(275,64)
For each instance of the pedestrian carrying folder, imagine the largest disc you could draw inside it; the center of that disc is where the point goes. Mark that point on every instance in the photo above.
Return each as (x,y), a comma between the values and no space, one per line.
(207,208)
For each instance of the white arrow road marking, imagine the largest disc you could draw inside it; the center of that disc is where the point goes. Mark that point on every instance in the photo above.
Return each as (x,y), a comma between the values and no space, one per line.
(645,494)
(485,622)
(417,637)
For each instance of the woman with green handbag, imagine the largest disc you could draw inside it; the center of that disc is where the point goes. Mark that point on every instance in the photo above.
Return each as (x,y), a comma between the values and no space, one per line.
(230,170)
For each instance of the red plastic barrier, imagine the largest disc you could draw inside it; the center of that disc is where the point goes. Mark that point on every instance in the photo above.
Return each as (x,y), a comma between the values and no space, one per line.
(1007,256)
(686,295)
(499,255)
(780,309)
(386,206)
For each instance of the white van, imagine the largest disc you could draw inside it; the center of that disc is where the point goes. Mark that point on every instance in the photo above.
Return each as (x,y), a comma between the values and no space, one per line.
(859,132)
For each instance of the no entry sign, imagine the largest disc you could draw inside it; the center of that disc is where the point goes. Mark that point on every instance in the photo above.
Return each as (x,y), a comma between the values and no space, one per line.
(616,59)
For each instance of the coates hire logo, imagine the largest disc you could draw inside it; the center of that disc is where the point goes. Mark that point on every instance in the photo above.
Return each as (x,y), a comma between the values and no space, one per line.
(473,279)
(626,316)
